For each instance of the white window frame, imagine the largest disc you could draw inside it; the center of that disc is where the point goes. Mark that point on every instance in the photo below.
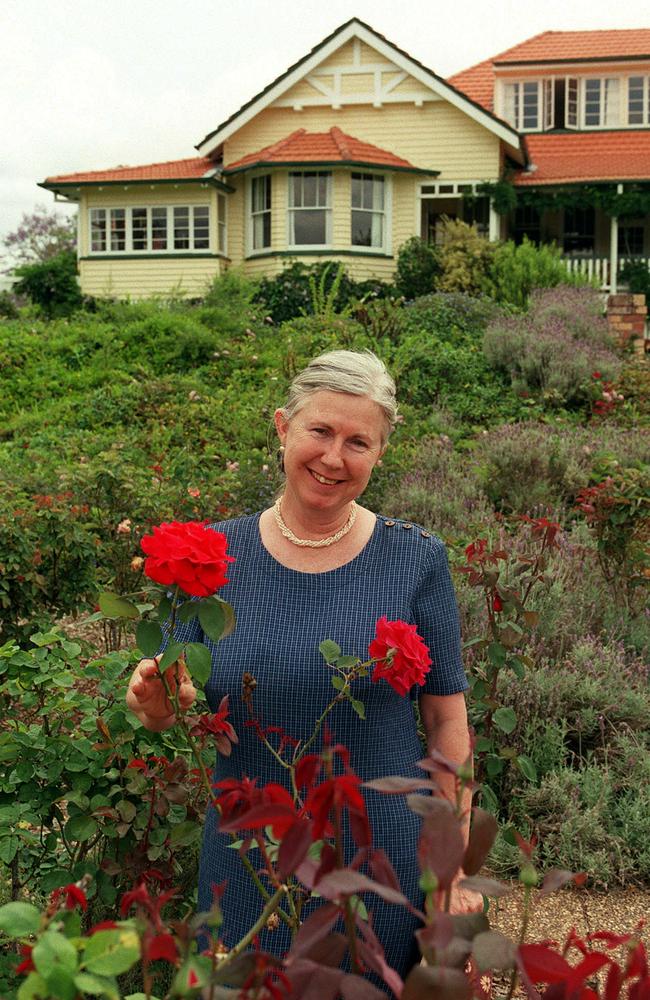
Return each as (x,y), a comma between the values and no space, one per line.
(645,100)
(603,103)
(385,212)
(222,224)
(517,117)
(327,208)
(251,249)
(110,211)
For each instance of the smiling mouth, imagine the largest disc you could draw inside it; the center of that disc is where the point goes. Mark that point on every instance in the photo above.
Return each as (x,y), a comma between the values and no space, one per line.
(323,479)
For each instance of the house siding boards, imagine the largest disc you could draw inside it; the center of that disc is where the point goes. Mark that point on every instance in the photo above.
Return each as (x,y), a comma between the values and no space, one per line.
(436,136)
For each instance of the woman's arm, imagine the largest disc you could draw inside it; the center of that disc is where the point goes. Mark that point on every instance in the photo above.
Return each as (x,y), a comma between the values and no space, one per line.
(445,723)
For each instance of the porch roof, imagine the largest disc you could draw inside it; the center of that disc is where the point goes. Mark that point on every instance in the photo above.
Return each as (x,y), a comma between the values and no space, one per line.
(586,157)
(193,168)
(329,148)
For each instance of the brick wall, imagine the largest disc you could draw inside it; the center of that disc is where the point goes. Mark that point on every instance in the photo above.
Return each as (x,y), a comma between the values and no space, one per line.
(627,315)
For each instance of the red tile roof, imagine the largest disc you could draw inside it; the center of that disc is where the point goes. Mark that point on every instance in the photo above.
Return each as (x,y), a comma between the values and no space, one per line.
(477,82)
(171,170)
(566,46)
(572,157)
(321,147)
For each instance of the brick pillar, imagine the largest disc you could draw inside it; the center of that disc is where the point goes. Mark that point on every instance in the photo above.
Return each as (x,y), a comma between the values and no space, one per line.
(627,315)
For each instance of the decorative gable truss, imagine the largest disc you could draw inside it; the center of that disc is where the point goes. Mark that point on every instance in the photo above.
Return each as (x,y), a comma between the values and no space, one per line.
(357,75)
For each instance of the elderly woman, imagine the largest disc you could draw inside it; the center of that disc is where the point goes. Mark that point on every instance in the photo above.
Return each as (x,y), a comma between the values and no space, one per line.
(318,565)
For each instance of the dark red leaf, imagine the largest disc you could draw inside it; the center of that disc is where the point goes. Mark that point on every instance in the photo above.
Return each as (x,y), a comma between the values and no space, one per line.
(609,939)
(382,869)
(486,886)
(481,837)
(544,965)
(555,879)
(162,947)
(395,785)
(330,950)
(586,968)
(315,927)
(258,817)
(294,847)
(441,847)
(344,882)
(356,988)
(427,983)
(372,953)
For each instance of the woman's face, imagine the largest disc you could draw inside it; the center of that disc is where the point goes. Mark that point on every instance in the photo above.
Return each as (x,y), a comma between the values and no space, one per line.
(331,444)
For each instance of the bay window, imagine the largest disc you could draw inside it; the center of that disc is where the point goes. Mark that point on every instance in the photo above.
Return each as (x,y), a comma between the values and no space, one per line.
(368,211)
(310,208)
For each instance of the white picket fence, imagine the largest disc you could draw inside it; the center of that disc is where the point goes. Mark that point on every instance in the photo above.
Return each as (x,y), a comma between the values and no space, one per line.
(598,268)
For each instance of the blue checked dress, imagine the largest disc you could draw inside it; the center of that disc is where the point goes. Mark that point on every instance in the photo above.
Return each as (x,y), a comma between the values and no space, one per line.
(282,616)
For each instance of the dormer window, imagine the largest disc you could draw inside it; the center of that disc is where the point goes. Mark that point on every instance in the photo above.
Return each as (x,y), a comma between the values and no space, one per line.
(522,105)
(638,110)
(601,102)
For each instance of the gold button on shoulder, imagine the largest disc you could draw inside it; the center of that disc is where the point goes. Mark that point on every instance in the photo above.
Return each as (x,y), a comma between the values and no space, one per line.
(426,534)
(389,524)
(406,527)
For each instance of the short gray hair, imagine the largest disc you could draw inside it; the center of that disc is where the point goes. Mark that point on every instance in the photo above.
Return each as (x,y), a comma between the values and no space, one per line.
(360,373)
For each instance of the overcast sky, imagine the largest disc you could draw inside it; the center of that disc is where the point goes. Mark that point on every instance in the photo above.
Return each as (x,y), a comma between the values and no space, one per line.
(87,84)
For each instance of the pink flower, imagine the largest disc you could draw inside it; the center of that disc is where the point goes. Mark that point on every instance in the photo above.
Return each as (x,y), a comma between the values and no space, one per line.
(124,527)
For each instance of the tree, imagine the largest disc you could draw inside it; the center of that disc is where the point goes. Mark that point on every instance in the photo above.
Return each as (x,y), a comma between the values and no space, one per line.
(41,236)
(51,284)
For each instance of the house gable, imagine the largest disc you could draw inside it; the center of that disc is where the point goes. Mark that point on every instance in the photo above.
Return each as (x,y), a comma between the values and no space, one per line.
(357,65)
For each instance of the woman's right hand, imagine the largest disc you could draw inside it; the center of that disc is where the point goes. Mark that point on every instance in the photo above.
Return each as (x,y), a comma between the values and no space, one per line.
(146,696)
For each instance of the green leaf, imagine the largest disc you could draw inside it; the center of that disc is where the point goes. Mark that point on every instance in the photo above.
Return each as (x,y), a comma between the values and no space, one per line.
(80,828)
(186,833)
(483,744)
(527,767)
(496,654)
(338,682)
(188,611)
(517,667)
(19,919)
(164,608)
(141,996)
(53,952)
(170,655)
(346,662)
(231,617)
(8,849)
(358,707)
(494,766)
(212,618)
(114,606)
(199,661)
(505,719)
(103,986)
(149,637)
(110,953)
(330,650)
(34,988)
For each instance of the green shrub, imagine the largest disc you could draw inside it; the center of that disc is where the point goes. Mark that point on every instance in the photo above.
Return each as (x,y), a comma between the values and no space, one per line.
(51,284)
(418,267)
(453,317)
(465,258)
(291,292)
(636,276)
(516,270)
(8,307)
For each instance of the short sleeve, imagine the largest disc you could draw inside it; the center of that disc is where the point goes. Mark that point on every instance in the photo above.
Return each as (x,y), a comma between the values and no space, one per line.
(436,615)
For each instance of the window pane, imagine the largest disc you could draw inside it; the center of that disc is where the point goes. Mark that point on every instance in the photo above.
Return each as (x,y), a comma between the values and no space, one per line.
(530,117)
(118,229)
(201,227)
(158,228)
(592,102)
(309,227)
(262,231)
(635,89)
(181,228)
(611,103)
(355,195)
(261,194)
(98,230)
(139,228)
(309,190)
(362,229)
(322,190)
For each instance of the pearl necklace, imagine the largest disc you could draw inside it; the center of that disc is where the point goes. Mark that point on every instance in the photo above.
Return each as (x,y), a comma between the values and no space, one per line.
(310,542)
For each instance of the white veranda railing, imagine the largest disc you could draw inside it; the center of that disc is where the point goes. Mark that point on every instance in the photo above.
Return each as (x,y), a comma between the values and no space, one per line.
(599,268)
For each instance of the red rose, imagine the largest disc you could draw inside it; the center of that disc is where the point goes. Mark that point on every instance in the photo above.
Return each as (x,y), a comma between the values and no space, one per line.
(497,603)
(403,657)
(191,556)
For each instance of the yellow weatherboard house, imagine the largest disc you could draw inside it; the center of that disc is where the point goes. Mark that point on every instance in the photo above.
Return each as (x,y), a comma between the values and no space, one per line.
(353,150)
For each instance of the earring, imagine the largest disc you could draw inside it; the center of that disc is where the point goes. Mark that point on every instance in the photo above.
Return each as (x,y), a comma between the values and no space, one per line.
(281,458)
